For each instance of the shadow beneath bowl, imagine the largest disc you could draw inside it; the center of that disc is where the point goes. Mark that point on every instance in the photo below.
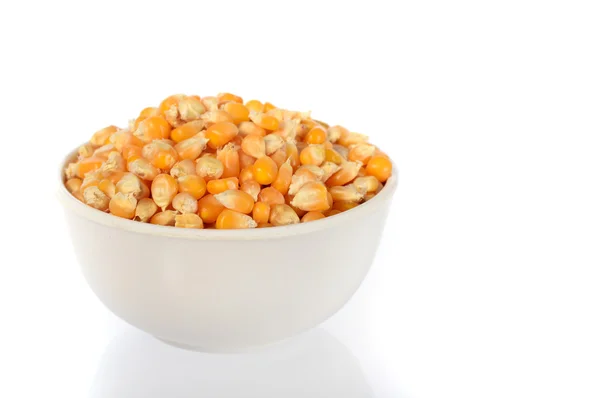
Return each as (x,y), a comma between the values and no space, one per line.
(314,364)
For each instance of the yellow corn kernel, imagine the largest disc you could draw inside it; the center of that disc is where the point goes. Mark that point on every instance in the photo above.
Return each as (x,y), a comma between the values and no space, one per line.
(334,133)
(332,156)
(124,137)
(282,214)
(104,151)
(187,130)
(311,197)
(131,184)
(342,206)
(366,184)
(145,209)
(123,205)
(73,184)
(229,219)
(328,169)
(211,103)
(268,106)
(238,111)
(284,177)
(348,172)
(227,97)
(313,154)
(299,212)
(267,122)
(250,128)
(93,196)
(183,202)
(85,151)
(279,157)
(252,188)
(236,200)
(254,145)
(261,212)
(316,135)
(189,220)
(183,168)
(209,168)
(163,189)
(350,139)
(220,134)
(291,152)
(216,116)
(362,172)
(209,208)
(361,153)
(221,185)
(271,196)
(153,128)
(264,170)
(108,187)
(246,175)
(192,184)
(312,216)
(230,159)
(192,147)
(380,167)
(142,168)
(160,154)
(130,150)
(254,105)
(341,150)
(102,136)
(166,218)
(273,143)
(301,177)
(287,130)
(169,103)
(346,193)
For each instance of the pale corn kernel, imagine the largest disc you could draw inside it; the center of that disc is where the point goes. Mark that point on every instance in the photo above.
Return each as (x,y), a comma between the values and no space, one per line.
(252,188)
(85,151)
(160,154)
(245,160)
(362,172)
(183,168)
(183,202)
(366,184)
(254,145)
(313,154)
(380,167)
(288,130)
(346,193)
(316,170)
(341,150)
(104,151)
(331,155)
(284,177)
(169,102)
(230,158)
(123,205)
(246,174)
(129,151)
(209,168)
(361,153)
(277,113)
(301,177)
(143,169)
(221,185)
(344,205)
(192,147)
(130,184)
(145,209)
(312,196)
(189,220)
(93,196)
(163,189)
(211,103)
(124,137)
(329,169)
(108,187)
(264,170)
(250,128)
(282,214)
(209,208)
(216,116)
(299,212)
(230,219)
(192,184)
(369,196)
(273,142)
(271,196)
(261,212)
(334,133)
(153,128)
(352,139)
(72,170)
(165,218)
(74,184)
(114,162)
(312,216)
(101,137)
(237,200)
(291,152)
(265,121)
(279,157)
(190,108)
(348,172)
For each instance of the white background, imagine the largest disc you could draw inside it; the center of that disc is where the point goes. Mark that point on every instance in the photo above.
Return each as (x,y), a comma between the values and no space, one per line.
(487,282)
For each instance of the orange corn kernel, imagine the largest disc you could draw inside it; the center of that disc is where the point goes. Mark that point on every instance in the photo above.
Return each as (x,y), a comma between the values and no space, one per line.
(312,197)
(332,156)
(209,208)
(271,196)
(317,135)
(165,218)
(334,133)
(313,154)
(282,214)
(246,175)
(191,148)
(250,128)
(380,167)
(239,113)
(346,193)
(312,216)
(123,205)
(153,128)
(236,200)
(361,153)
(229,219)
(220,134)
(254,105)
(342,206)
(189,220)
(130,150)
(216,116)
(226,97)
(183,168)
(261,212)
(230,159)
(267,122)
(209,168)
(245,160)
(284,177)
(279,157)
(366,184)
(163,189)
(254,145)
(349,139)
(142,168)
(187,130)
(347,173)
(252,188)
(291,152)
(102,136)
(268,106)
(73,184)
(145,114)
(145,209)
(264,170)
(332,212)
(217,186)
(169,103)
(160,154)
(192,184)
(273,143)
(88,165)
(301,177)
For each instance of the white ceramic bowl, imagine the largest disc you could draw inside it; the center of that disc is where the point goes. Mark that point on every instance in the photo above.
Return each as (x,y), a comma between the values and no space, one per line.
(225,290)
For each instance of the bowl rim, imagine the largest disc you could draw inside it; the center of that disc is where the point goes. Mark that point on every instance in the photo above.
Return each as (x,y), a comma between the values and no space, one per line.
(69,202)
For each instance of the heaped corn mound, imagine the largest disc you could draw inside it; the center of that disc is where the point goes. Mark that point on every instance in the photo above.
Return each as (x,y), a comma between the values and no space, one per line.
(215,162)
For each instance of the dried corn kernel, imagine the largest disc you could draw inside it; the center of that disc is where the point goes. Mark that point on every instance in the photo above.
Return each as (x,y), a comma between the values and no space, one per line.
(282,214)
(279,157)
(238,112)
(93,196)
(313,154)
(187,130)
(271,196)
(264,170)
(342,206)
(101,137)
(209,168)
(153,128)
(379,167)
(261,212)
(216,116)
(229,219)
(123,205)
(346,193)
(189,220)
(142,168)
(348,172)
(301,177)
(209,208)
(236,200)
(73,184)
(192,147)
(183,202)
(254,145)
(361,153)
(267,122)
(166,218)
(311,197)
(252,188)
(328,169)
(145,209)
(317,135)
(160,154)
(312,216)
(131,184)
(255,106)
(222,185)
(246,175)
(230,159)
(163,189)
(334,133)
(250,128)
(192,184)
(273,143)
(291,152)
(366,184)
(220,134)
(284,177)
(183,168)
